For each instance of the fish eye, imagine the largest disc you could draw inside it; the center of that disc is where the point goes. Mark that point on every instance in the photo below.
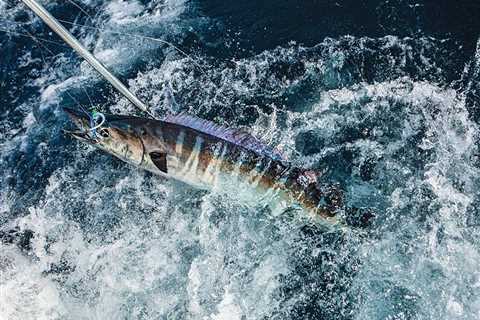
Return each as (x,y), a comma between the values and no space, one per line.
(143,132)
(104,133)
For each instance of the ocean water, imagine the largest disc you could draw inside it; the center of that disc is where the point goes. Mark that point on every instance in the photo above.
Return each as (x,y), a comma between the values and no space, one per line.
(381,96)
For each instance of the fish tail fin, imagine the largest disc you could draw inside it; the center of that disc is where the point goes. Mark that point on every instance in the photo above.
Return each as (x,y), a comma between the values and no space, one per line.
(329,200)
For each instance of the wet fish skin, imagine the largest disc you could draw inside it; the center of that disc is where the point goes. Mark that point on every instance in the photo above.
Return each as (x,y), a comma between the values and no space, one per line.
(208,161)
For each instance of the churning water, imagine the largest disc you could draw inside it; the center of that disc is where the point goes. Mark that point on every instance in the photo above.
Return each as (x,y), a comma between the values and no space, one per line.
(392,118)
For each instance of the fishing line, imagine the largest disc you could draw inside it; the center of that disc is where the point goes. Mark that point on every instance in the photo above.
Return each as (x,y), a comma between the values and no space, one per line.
(33,37)
(88,96)
(121,33)
(139,37)
(80,8)
(200,68)
(186,55)
(41,45)
(38,40)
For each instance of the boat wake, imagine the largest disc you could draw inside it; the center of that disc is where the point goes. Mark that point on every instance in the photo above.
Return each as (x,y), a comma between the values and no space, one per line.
(390,118)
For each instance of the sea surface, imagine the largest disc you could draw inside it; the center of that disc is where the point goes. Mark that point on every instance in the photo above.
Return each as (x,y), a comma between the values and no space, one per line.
(383,97)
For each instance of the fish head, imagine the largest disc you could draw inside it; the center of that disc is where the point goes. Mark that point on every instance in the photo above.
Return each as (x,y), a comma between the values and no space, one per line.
(118,135)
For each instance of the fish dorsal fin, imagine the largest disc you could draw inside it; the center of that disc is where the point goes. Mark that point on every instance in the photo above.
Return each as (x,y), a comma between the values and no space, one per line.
(235,136)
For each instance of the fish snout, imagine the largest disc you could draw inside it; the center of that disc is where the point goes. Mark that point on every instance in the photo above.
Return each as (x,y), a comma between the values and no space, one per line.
(81,120)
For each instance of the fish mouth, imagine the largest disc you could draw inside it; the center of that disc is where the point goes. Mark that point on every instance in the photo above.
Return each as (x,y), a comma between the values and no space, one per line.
(82,120)
(80,135)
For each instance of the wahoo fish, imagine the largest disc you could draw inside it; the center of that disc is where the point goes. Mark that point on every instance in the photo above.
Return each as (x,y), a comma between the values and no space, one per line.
(209,156)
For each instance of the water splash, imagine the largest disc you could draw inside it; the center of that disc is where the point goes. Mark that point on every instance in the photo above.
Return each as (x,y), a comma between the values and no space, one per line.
(110,241)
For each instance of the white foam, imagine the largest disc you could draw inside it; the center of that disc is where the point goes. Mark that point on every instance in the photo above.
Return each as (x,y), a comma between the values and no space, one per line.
(135,246)
(228,309)
(123,11)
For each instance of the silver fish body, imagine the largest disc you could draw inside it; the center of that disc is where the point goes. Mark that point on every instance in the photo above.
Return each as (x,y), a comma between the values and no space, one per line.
(208,156)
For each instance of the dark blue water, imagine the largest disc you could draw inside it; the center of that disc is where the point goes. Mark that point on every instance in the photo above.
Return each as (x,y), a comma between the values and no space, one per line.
(382,96)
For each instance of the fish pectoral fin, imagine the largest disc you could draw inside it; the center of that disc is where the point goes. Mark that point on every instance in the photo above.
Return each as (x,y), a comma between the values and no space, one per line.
(159,159)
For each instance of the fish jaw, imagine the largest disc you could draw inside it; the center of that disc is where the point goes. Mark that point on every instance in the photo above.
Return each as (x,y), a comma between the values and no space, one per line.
(81,121)
(115,135)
